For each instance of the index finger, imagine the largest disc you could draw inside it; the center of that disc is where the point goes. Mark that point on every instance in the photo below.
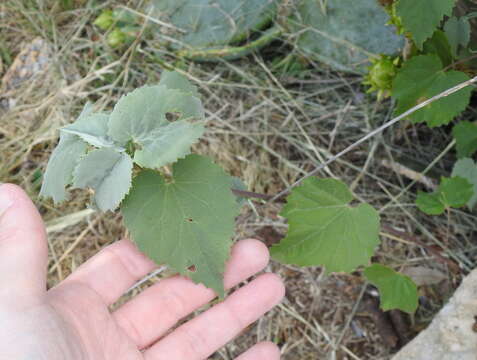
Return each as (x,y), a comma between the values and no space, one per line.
(203,335)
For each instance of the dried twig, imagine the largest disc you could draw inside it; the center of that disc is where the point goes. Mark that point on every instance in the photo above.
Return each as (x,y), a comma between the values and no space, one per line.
(377,131)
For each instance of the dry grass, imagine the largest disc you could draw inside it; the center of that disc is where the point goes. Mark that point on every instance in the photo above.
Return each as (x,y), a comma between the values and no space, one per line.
(267,127)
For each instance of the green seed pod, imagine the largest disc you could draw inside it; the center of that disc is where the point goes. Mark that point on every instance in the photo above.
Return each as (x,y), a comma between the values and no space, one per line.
(381,74)
(105,20)
(116,38)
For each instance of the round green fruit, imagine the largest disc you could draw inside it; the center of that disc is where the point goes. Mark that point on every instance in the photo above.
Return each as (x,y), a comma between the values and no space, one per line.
(381,74)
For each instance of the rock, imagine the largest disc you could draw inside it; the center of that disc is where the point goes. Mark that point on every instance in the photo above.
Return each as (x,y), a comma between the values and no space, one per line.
(452,334)
(29,63)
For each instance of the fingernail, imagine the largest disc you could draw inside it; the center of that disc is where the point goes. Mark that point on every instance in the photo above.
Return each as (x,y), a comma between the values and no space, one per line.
(5,201)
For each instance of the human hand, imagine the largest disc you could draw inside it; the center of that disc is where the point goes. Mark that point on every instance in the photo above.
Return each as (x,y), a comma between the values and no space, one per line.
(72,321)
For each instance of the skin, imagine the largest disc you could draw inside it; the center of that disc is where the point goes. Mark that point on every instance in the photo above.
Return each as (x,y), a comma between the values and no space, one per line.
(72,320)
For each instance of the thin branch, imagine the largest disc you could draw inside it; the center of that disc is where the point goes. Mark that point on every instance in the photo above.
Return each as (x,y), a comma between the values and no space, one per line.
(377,131)
(454,64)
(249,194)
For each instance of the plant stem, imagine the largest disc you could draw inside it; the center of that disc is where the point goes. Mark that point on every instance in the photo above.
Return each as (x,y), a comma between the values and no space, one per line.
(249,194)
(232,52)
(377,131)
(452,66)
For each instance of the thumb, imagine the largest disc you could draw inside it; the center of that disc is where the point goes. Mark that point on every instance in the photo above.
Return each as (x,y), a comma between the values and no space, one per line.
(23,246)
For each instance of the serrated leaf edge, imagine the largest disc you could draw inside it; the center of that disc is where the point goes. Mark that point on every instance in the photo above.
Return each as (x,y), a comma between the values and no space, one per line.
(67,194)
(179,157)
(229,240)
(277,253)
(93,203)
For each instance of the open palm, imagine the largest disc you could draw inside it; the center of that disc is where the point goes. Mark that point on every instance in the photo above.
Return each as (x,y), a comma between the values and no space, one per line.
(72,320)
